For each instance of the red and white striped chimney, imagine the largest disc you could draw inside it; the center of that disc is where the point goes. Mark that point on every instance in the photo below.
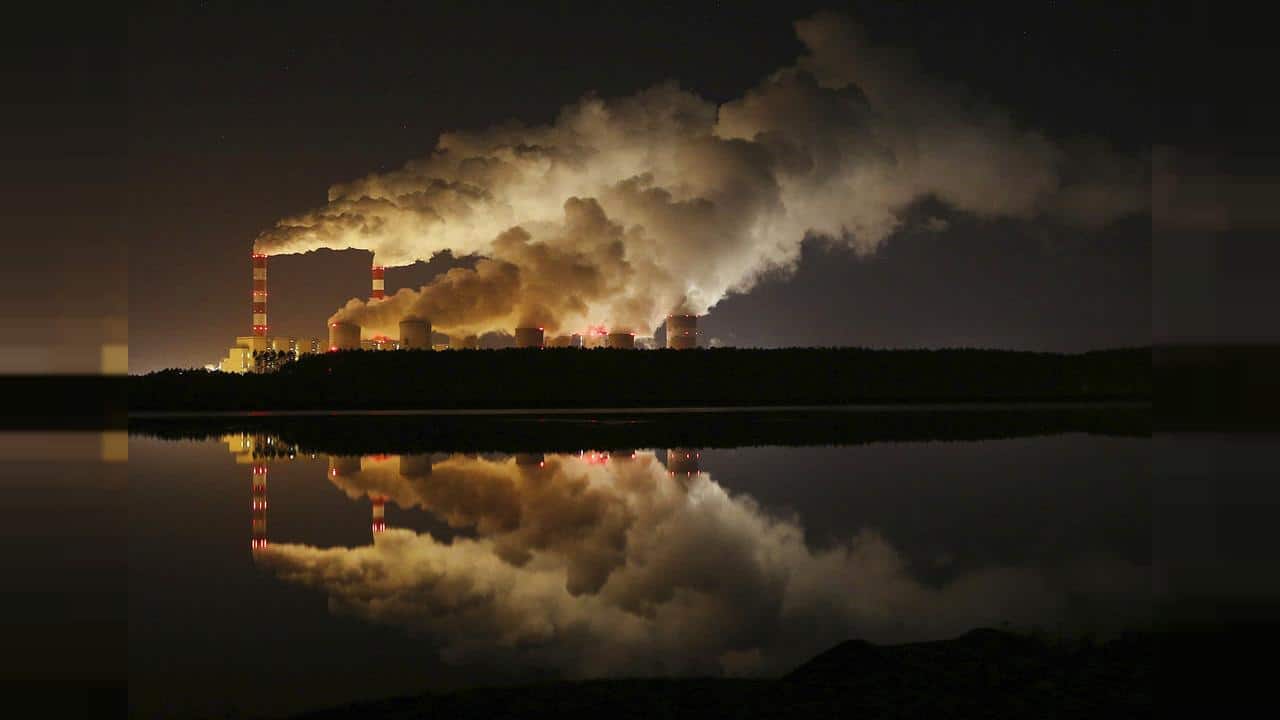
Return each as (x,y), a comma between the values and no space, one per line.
(259,506)
(260,294)
(379,513)
(379,288)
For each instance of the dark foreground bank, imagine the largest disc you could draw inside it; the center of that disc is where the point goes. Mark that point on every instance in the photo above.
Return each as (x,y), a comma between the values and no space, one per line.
(616,378)
(984,673)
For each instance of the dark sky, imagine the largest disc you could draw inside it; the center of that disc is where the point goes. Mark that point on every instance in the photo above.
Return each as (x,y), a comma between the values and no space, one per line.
(231,118)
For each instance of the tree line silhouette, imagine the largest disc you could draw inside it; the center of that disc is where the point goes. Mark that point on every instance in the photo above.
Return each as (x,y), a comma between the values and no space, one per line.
(570,378)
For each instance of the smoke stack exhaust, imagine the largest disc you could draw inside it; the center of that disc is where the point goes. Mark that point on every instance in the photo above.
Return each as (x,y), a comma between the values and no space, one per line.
(260,294)
(528,337)
(682,332)
(379,285)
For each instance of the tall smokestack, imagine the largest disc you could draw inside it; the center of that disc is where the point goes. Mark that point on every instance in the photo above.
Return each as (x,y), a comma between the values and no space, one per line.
(259,507)
(682,332)
(379,513)
(260,294)
(379,287)
(683,461)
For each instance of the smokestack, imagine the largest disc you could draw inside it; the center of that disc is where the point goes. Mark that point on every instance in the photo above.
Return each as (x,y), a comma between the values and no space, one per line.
(259,507)
(528,337)
(379,513)
(344,336)
(464,342)
(260,294)
(682,332)
(379,287)
(683,461)
(415,334)
(622,340)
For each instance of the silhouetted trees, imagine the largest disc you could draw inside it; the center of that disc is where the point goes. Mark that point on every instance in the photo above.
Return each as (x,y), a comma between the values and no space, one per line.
(569,378)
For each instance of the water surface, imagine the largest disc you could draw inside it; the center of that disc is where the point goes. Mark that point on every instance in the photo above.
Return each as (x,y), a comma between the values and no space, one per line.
(267,577)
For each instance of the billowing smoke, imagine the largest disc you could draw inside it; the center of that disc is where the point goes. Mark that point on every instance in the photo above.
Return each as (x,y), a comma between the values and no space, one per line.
(624,210)
(622,568)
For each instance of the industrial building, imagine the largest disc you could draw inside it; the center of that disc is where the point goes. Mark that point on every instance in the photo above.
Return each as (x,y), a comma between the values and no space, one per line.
(464,342)
(262,352)
(529,337)
(621,340)
(682,332)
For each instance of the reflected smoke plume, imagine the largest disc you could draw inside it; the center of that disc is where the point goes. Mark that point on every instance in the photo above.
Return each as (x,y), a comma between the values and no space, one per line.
(602,566)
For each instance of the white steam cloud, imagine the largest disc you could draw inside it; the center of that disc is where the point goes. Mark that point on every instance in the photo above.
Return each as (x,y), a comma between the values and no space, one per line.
(624,210)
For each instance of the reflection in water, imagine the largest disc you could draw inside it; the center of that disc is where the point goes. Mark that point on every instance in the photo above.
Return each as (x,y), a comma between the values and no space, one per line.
(609,563)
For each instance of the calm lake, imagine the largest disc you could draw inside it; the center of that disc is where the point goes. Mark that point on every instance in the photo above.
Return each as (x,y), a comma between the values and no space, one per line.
(267,577)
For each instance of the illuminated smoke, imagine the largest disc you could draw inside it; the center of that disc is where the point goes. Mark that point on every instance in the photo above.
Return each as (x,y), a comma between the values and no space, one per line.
(624,210)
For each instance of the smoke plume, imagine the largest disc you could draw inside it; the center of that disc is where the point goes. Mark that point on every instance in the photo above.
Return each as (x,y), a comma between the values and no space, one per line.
(624,210)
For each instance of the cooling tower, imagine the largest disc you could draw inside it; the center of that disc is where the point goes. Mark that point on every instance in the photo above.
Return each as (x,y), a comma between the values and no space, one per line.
(260,294)
(621,340)
(415,465)
(379,288)
(343,465)
(683,461)
(463,342)
(561,341)
(528,337)
(415,334)
(344,336)
(682,332)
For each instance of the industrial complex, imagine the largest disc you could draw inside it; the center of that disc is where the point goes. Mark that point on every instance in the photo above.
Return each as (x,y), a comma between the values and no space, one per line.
(262,352)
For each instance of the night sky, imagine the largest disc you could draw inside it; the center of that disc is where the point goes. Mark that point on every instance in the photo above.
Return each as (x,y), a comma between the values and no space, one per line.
(233,118)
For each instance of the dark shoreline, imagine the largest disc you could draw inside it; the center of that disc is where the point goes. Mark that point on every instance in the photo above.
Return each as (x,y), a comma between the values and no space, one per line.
(1189,388)
(983,673)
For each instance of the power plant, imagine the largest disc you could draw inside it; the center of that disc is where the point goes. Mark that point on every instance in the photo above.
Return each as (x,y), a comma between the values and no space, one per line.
(261,352)
(682,332)
(415,334)
(621,340)
(464,342)
(528,337)
(344,336)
